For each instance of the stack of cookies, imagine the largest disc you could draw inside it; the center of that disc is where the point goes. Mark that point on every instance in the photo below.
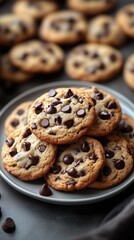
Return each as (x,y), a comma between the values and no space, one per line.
(74,138)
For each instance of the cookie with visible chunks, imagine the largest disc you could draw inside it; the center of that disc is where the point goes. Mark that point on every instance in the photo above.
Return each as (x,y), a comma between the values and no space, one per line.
(27,157)
(129,72)
(126,129)
(125,19)
(119,162)
(91,7)
(36,9)
(35,57)
(76,165)
(16,28)
(93,62)
(61,115)
(63,27)
(108,112)
(18,118)
(104,29)
(11,73)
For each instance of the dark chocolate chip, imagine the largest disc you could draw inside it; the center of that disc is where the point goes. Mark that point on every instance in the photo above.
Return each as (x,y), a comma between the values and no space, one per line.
(51,109)
(82,173)
(57,178)
(8,225)
(80,100)
(76,64)
(44,60)
(55,169)
(42,148)
(112,104)
(45,190)
(93,54)
(81,113)
(13,152)
(58,120)
(52,92)
(69,123)
(23,56)
(14,122)
(68,159)
(85,147)
(129,150)
(109,154)
(101,65)
(38,108)
(66,109)
(119,164)
(56,101)
(44,123)
(126,128)
(20,112)
(68,94)
(34,161)
(79,161)
(91,69)
(33,126)
(92,156)
(72,172)
(104,115)
(106,171)
(113,57)
(9,142)
(99,96)
(26,146)
(89,106)
(27,133)
(71,182)
(94,101)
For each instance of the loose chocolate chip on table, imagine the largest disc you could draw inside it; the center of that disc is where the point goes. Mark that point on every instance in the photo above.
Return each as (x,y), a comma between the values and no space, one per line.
(45,190)
(52,93)
(44,123)
(42,148)
(14,122)
(106,171)
(69,123)
(9,142)
(38,108)
(27,133)
(109,154)
(13,152)
(85,147)
(68,159)
(8,225)
(51,109)
(72,172)
(112,104)
(26,146)
(119,164)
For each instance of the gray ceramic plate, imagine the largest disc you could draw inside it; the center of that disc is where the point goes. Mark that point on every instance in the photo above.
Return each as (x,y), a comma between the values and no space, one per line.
(31,189)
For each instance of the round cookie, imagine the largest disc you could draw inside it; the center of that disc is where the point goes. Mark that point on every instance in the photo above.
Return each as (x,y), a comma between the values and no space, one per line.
(76,165)
(93,62)
(36,9)
(119,163)
(16,28)
(61,115)
(108,112)
(35,57)
(104,29)
(18,118)
(91,7)
(129,71)
(9,72)
(63,27)
(27,157)
(126,129)
(125,19)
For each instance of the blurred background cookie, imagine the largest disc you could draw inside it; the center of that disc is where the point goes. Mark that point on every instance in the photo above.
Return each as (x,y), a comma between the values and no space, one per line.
(129,71)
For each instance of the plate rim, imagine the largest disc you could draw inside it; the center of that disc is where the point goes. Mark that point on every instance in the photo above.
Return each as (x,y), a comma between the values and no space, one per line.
(57,84)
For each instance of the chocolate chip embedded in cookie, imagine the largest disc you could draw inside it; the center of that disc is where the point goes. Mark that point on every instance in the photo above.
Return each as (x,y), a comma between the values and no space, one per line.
(119,162)
(27,157)
(93,62)
(129,71)
(104,29)
(16,28)
(76,165)
(108,112)
(36,9)
(35,57)
(63,27)
(91,7)
(18,118)
(61,115)
(125,19)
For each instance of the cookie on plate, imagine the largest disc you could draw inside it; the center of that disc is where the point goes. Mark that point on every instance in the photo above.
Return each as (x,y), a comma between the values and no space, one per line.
(16,28)
(27,157)
(91,7)
(11,73)
(119,162)
(76,165)
(61,115)
(36,9)
(18,118)
(104,29)
(93,62)
(108,112)
(63,27)
(125,19)
(129,71)
(35,57)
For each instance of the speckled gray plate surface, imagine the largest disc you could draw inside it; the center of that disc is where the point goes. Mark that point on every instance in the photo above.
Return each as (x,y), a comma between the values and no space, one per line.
(31,189)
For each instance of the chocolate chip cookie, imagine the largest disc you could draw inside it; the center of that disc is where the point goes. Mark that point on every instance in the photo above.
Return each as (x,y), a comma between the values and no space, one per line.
(104,29)
(63,27)
(93,62)
(129,71)
(36,9)
(91,7)
(18,118)
(119,162)
(108,112)
(11,73)
(36,57)
(16,28)
(76,165)
(27,157)
(125,19)
(61,115)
